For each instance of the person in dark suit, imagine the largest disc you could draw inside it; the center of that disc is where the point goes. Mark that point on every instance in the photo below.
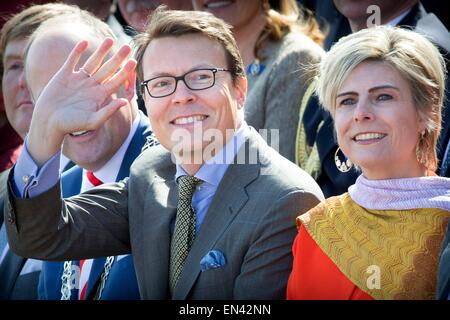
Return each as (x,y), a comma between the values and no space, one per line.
(210,213)
(116,287)
(103,155)
(316,140)
(19,276)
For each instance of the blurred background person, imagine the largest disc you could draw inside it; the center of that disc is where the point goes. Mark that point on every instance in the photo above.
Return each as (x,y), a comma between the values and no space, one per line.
(136,12)
(19,276)
(277,43)
(11,141)
(384,88)
(335,24)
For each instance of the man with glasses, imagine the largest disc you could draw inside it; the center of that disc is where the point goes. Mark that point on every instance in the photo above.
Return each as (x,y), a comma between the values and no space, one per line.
(209,214)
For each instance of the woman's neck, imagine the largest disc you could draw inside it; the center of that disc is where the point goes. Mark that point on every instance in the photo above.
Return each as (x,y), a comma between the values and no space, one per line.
(411,170)
(246,36)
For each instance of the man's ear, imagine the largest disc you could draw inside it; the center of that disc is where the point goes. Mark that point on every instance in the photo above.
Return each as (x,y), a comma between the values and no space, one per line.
(241,90)
(129,86)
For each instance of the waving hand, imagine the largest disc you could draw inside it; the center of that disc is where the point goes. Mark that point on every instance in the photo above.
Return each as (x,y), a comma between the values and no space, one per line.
(78,100)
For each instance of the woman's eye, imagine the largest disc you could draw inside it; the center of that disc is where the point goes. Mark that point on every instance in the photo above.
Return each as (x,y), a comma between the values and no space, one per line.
(347,102)
(384,97)
(14,66)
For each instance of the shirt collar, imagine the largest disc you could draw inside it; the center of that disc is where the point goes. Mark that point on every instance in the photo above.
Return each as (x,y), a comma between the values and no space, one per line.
(108,173)
(394,22)
(214,169)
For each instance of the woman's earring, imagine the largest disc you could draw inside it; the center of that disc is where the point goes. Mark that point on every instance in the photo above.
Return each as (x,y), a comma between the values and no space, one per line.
(342,166)
(420,148)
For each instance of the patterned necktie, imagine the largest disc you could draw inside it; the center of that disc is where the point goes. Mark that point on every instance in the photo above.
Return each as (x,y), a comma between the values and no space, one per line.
(184,232)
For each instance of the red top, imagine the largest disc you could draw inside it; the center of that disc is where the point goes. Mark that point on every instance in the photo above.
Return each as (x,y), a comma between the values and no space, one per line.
(315,276)
(10,147)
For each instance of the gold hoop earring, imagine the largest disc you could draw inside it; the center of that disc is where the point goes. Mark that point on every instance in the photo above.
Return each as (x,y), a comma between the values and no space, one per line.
(421,144)
(342,166)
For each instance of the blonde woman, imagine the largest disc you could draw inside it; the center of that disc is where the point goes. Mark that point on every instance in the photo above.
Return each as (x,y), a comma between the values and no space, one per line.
(384,89)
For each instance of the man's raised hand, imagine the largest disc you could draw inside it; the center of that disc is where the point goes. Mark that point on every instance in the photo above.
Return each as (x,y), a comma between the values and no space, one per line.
(78,99)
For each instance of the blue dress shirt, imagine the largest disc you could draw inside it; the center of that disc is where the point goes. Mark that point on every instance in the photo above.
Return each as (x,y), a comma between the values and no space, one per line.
(211,173)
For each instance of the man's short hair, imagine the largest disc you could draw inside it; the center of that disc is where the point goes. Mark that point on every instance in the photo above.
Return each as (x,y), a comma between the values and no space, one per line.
(173,23)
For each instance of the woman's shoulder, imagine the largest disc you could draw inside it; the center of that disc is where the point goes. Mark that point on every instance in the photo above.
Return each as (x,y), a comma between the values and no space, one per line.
(328,206)
(294,49)
(298,42)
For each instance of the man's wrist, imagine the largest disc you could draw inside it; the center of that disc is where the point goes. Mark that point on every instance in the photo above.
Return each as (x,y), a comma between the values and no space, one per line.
(42,146)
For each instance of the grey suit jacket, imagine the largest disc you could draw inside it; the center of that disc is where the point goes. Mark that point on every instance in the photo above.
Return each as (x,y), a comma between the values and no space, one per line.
(251,220)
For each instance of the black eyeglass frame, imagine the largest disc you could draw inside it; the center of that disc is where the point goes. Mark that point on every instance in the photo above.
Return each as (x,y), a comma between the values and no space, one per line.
(182,78)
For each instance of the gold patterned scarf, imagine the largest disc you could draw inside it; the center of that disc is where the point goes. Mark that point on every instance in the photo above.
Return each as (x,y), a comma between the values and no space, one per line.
(389,254)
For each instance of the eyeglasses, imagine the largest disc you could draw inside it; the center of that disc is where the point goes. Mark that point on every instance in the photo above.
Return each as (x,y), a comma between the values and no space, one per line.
(198,79)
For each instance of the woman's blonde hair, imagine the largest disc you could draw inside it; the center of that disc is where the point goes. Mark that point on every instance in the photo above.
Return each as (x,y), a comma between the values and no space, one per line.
(412,55)
(284,16)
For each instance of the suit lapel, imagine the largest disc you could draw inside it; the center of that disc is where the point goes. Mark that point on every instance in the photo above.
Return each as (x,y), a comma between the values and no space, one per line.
(159,210)
(3,183)
(71,181)
(230,198)
(135,147)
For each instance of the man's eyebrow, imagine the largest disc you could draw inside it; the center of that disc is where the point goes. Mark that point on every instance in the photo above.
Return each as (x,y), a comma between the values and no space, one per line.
(163,73)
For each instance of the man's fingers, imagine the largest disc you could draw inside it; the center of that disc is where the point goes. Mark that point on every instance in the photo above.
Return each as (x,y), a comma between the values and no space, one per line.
(116,81)
(108,69)
(96,59)
(75,55)
(103,114)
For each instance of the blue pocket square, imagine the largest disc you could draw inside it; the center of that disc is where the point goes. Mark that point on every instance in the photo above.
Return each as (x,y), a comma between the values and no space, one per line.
(212,260)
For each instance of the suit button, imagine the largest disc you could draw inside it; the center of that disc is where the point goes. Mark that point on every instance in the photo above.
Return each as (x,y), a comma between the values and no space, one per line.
(11,219)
